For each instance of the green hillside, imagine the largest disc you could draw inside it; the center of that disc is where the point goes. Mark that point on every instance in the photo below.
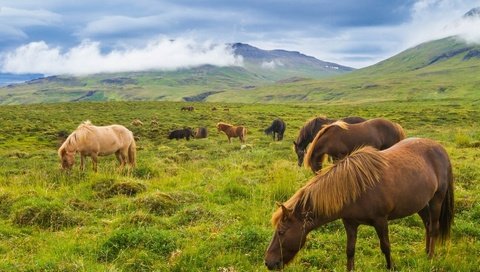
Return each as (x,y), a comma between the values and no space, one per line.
(441,69)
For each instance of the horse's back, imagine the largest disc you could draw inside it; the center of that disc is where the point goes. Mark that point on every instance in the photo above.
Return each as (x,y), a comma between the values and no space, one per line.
(418,167)
(109,139)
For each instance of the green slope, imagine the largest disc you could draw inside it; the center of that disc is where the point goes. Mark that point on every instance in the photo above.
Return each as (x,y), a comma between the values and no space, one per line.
(441,69)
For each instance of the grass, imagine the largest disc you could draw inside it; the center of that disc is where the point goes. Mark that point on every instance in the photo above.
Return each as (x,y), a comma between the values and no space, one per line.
(205,204)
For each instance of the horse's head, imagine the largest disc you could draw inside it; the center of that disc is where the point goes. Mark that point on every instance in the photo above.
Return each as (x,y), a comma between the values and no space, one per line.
(288,239)
(300,152)
(67,159)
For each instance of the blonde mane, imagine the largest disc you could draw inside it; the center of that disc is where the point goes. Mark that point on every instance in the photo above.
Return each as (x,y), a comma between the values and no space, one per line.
(308,155)
(338,185)
(76,137)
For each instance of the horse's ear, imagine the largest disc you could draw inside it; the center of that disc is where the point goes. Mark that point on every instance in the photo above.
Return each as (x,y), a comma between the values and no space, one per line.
(285,212)
(294,143)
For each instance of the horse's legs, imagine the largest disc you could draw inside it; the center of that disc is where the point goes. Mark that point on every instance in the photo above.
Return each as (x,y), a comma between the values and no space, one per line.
(435,209)
(82,162)
(381,227)
(94,161)
(351,229)
(425,215)
(119,157)
(229,139)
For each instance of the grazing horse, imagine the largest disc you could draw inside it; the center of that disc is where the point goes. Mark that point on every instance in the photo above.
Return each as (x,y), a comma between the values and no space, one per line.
(278,126)
(233,131)
(181,133)
(189,108)
(94,141)
(370,187)
(339,139)
(201,132)
(311,128)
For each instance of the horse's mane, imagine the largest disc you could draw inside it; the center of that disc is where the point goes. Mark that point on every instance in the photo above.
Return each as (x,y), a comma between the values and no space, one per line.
(308,128)
(400,130)
(339,184)
(77,136)
(224,124)
(311,148)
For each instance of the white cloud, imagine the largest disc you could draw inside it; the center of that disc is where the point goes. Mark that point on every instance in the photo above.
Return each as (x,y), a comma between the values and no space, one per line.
(271,64)
(117,24)
(87,58)
(25,18)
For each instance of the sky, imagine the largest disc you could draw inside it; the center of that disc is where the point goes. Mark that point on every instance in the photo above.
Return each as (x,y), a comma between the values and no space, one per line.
(84,37)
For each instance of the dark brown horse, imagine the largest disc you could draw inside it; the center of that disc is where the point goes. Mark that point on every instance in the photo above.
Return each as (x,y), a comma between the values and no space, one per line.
(311,128)
(277,127)
(189,108)
(370,187)
(340,139)
(233,131)
(201,132)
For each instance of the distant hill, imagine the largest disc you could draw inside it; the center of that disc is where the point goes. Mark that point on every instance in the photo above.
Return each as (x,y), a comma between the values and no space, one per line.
(7,78)
(260,68)
(448,68)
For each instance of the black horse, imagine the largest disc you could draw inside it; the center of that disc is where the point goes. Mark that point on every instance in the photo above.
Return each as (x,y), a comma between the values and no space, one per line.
(181,133)
(278,126)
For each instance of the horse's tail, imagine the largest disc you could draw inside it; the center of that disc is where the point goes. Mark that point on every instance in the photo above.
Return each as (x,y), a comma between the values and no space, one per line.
(132,153)
(447,212)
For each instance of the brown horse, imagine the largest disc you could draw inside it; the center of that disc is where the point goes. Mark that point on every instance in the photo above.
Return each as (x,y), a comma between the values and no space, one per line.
(339,139)
(93,141)
(311,128)
(370,187)
(201,132)
(233,131)
(189,108)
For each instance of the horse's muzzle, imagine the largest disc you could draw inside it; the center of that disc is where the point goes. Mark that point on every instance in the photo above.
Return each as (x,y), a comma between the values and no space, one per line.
(274,266)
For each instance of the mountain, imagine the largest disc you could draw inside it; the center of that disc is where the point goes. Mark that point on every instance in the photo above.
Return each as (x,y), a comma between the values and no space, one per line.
(282,64)
(473,13)
(442,69)
(260,68)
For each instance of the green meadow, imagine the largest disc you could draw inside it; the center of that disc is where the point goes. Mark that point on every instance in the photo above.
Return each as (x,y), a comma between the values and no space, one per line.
(205,204)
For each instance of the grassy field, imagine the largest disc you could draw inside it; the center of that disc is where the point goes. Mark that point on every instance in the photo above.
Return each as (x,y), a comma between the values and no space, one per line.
(205,204)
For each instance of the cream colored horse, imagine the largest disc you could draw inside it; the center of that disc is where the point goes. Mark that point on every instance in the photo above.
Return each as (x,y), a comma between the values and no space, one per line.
(94,141)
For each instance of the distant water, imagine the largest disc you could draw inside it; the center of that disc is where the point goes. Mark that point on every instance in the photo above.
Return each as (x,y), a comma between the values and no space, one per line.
(6,78)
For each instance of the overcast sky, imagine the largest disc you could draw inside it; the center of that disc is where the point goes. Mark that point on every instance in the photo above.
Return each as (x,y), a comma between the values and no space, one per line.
(86,36)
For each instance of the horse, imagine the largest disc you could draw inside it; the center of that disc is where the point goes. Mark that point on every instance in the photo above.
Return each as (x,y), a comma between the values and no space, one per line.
(181,133)
(201,132)
(232,131)
(189,108)
(94,141)
(278,126)
(311,128)
(370,187)
(339,139)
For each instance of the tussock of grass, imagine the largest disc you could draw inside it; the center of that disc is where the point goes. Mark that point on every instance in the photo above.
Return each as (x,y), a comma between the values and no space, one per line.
(158,203)
(108,188)
(44,214)
(160,243)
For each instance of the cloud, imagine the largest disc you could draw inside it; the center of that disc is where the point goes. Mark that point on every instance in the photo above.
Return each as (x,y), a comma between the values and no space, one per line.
(26,18)
(87,58)
(271,64)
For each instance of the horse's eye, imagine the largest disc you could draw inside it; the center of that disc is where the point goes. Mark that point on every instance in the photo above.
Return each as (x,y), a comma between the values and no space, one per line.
(281,232)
